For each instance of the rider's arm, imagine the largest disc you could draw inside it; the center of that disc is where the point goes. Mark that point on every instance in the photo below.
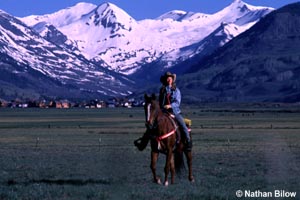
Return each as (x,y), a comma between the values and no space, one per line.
(176,100)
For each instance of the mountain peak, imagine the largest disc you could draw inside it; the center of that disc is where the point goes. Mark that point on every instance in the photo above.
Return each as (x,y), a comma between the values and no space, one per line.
(110,15)
(239,5)
(62,17)
(174,14)
(242,6)
(237,1)
(107,6)
(241,12)
(179,15)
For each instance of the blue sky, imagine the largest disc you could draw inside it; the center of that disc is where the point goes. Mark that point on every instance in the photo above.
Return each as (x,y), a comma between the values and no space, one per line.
(138,9)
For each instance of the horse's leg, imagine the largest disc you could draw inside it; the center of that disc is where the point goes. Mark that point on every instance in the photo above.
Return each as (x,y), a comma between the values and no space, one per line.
(169,158)
(188,155)
(172,169)
(154,157)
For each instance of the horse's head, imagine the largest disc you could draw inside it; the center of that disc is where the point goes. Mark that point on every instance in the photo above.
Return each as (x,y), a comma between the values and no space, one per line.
(151,109)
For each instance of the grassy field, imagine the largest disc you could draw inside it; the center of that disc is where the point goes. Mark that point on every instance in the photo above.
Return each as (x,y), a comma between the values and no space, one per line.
(89,154)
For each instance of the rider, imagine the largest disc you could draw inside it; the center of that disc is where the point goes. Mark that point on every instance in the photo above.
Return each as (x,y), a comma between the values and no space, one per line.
(169,101)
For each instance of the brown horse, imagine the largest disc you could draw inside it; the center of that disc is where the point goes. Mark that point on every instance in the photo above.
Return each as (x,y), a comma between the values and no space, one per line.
(163,132)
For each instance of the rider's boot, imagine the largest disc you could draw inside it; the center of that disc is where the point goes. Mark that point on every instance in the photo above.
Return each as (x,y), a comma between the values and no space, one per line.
(142,142)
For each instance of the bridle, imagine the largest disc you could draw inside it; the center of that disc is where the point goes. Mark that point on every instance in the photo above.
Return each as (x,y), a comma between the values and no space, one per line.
(151,118)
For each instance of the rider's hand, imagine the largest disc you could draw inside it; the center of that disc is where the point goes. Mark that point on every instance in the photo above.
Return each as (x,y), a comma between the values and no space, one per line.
(167,106)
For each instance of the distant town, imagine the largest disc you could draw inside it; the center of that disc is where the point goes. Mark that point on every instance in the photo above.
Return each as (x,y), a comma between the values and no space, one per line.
(95,103)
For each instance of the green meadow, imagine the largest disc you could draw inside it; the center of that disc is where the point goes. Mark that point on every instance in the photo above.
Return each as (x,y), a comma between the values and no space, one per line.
(89,154)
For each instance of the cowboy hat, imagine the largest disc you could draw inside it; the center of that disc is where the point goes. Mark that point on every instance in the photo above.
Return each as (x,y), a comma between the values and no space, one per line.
(164,77)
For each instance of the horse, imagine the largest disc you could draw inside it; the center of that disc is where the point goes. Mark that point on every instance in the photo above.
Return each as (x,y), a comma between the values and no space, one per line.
(163,130)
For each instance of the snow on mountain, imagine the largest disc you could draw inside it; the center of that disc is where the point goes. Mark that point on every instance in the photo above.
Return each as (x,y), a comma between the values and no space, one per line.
(260,65)
(224,33)
(108,33)
(100,30)
(220,36)
(28,48)
(176,15)
(241,13)
(179,15)
(62,17)
(223,26)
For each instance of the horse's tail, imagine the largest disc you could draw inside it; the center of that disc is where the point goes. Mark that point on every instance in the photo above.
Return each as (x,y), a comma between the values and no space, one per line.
(179,160)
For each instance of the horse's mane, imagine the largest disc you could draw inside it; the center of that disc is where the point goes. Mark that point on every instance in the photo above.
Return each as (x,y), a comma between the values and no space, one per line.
(157,106)
(154,102)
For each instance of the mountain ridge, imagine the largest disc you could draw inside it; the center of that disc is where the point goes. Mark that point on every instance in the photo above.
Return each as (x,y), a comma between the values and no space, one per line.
(111,40)
(29,56)
(242,57)
(260,64)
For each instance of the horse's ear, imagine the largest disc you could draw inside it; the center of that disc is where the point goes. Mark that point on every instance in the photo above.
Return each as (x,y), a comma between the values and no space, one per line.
(153,97)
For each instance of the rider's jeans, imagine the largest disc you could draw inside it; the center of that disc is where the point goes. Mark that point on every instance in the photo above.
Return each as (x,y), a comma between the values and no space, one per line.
(182,124)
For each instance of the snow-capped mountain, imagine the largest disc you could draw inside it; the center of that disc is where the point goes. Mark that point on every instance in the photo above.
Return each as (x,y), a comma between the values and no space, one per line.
(89,50)
(25,53)
(107,33)
(181,59)
(218,29)
(260,65)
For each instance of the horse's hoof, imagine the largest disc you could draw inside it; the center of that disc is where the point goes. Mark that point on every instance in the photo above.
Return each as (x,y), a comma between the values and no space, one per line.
(158,181)
(166,183)
(191,179)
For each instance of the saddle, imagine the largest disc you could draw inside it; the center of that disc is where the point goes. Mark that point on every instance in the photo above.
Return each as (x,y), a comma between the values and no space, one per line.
(187,121)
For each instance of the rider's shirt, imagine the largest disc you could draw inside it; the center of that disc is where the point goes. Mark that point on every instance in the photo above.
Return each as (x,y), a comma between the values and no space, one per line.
(170,96)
